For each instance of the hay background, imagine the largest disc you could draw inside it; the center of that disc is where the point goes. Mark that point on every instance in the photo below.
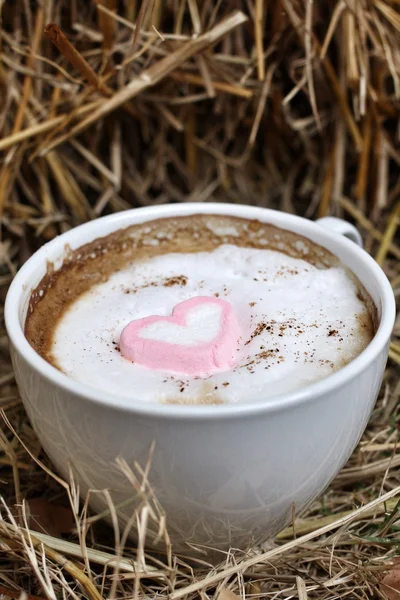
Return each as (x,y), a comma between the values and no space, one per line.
(296,109)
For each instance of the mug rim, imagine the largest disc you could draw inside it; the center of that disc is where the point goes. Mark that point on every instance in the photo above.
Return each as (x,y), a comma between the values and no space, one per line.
(275,403)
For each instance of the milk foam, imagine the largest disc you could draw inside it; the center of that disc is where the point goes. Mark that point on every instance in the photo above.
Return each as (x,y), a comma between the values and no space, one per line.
(299,324)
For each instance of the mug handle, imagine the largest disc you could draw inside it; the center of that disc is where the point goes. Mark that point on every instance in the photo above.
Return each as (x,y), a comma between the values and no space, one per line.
(343,227)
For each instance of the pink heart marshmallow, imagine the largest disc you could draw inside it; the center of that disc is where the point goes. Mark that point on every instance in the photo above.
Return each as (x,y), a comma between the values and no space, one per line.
(200,338)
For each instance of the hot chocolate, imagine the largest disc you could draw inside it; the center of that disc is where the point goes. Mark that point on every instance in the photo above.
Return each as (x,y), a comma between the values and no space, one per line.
(200,310)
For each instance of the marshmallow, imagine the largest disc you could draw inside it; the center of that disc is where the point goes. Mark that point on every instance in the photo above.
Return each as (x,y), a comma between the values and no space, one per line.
(200,338)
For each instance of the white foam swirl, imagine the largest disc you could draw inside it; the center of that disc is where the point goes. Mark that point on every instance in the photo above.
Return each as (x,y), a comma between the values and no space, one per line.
(299,324)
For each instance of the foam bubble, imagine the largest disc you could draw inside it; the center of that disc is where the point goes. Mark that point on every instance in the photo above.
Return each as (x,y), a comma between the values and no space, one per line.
(299,324)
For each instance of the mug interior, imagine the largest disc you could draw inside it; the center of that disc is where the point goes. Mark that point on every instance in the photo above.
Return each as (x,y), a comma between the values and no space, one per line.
(357,260)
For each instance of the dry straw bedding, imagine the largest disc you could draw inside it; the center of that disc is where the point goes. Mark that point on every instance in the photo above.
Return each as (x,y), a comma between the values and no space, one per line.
(108,105)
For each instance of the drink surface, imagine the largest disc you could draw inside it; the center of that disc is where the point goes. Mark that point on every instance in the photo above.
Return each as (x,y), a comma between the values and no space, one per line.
(301,315)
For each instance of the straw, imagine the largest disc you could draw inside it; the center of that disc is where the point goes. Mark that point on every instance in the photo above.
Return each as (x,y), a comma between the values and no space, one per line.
(288,105)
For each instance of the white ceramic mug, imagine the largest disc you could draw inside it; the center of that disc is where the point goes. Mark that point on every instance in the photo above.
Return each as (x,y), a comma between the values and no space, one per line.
(225,475)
